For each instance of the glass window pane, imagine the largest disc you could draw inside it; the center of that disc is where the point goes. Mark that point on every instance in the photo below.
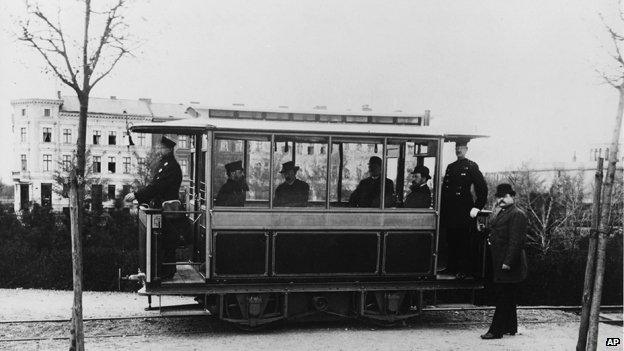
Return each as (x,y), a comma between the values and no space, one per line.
(420,179)
(356,174)
(300,171)
(241,171)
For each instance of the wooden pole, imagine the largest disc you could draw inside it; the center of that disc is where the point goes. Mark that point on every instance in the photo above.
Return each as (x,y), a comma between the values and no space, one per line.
(590,267)
(592,338)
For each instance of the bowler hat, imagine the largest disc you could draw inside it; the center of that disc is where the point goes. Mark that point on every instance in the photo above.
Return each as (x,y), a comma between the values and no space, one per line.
(504,189)
(375,160)
(234,166)
(287,166)
(424,171)
(167,142)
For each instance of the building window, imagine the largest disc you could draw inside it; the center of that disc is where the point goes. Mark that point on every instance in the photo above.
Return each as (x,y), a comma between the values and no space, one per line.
(183,141)
(126,165)
(111,192)
(24,162)
(141,138)
(112,138)
(125,189)
(47,135)
(67,136)
(66,162)
(97,164)
(96,137)
(184,167)
(224,145)
(46,112)
(111,165)
(47,163)
(23,134)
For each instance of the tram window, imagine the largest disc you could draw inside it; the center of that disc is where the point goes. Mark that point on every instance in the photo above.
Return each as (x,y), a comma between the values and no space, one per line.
(299,171)
(351,165)
(418,154)
(245,180)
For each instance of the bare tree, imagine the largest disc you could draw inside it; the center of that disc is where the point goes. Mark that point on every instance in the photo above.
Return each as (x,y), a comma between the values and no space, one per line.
(588,339)
(80,62)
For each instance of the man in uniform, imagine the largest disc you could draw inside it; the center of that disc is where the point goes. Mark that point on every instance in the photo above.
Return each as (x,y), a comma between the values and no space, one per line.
(164,186)
(459,209)
(292,192)
(368,192)
(232,193)
(420,194)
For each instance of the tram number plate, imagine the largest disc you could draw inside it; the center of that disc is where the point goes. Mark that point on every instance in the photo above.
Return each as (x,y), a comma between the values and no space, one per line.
(156,221)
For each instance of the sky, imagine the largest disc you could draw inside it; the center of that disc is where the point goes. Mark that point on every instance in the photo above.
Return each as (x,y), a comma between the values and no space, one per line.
(522,72)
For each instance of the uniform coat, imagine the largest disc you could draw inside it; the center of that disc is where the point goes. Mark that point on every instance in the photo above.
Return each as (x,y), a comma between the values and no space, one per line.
(457,198)
(165,184)
(419,197)
(293,195)
(368,192)
(507,237)
(232,193)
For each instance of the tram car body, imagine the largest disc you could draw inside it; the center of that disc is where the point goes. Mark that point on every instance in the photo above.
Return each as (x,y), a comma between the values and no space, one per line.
(259,263)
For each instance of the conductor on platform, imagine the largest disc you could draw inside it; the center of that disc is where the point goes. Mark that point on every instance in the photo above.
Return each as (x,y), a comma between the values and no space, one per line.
(459,209)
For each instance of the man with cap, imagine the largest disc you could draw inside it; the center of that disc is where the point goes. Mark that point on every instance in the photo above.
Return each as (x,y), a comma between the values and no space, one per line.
(459,210)
(509,266)
(420,194)
(292,192)
(165,183)
(164,186)
(368,191)
(232,193)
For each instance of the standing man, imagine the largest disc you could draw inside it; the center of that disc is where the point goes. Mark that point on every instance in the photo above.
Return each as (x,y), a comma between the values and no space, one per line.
(292,192)
(509,265)
(459,209)
(232,193)
(368,192)
(164,187)
(420,194)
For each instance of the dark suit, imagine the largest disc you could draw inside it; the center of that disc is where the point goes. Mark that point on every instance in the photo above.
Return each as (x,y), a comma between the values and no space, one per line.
(507,237)
(164,186)
(419,197)
(368,192)
(292,195)
(457,201)
(232,193)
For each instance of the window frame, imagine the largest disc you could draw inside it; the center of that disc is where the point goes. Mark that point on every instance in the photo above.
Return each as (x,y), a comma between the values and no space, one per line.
(46,131)
(330,139)
(47,163)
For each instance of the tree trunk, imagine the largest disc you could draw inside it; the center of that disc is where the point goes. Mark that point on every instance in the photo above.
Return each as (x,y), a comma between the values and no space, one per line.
(592,338)
(76,208)
(590,267)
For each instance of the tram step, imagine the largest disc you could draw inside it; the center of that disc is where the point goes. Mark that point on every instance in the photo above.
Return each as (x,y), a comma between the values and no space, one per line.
(184,310)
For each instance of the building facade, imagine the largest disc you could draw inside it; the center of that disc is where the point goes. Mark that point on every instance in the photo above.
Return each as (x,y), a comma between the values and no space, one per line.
(44,142)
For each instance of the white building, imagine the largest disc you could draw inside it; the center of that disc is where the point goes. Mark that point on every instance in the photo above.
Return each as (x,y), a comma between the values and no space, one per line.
(44,140)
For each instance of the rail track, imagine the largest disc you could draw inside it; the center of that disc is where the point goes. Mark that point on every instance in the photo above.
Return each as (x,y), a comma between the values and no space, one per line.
(151,326)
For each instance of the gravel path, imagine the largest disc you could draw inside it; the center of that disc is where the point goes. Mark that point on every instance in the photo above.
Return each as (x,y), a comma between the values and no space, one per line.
(439,330)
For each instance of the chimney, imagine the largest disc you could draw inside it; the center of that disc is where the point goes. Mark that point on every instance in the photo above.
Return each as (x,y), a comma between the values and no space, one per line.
(113,97)
(427,118)
(194,102)
(58,94)
(238,104)
(366,107)
(282,106)
(146,100)
(320,107)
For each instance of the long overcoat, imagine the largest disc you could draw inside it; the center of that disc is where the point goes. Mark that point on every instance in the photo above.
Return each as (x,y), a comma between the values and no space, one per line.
(165,184)
(457,199)
(507,237)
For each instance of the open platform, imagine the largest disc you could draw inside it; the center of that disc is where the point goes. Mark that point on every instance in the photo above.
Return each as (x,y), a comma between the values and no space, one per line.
(185,274)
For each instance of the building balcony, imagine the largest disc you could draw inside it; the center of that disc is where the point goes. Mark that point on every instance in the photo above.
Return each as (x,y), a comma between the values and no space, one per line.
(20,176)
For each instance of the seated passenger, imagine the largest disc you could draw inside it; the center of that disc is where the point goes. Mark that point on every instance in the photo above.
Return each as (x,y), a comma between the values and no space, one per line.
(232,193)
(368,192)
(420,194)
(292,192)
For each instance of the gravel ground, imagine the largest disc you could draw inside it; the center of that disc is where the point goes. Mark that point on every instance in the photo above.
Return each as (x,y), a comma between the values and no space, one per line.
(439,330)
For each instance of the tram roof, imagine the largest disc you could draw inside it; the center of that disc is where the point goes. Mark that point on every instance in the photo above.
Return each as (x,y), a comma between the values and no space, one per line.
(201,125)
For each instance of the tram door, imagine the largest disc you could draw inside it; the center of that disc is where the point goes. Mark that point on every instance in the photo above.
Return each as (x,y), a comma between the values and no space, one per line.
(196,199)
